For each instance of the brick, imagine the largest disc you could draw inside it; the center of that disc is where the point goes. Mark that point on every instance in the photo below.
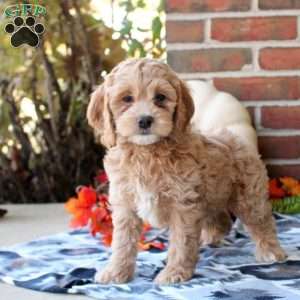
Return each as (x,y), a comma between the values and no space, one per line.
(194,6)
(284,170)
(279,4)
(261,88)
(209,60)
(281,117)
(254,29)
(280,58)
(184,31)
(279,146)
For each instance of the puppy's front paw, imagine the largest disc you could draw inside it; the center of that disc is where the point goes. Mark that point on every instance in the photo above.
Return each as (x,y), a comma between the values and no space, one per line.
(270,254)
(113,274)
(171,275)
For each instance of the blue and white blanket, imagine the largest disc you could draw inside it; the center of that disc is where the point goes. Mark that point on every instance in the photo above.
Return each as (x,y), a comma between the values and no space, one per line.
(66,262)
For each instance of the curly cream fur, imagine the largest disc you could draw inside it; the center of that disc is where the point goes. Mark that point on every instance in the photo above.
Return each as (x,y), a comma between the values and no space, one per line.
(180,179)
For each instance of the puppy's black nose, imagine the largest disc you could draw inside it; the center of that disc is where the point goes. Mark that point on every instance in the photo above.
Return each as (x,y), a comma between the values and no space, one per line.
(145,122)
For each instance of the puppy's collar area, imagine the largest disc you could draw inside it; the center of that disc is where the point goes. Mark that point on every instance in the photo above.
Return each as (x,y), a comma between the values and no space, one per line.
(144,139)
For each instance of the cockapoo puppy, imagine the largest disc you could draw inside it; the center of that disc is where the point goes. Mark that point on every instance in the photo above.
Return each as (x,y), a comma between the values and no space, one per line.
(163,172)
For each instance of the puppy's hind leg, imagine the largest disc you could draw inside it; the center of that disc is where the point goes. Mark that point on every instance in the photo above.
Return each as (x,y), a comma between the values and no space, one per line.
(253,208)
(214,227)
(263,232)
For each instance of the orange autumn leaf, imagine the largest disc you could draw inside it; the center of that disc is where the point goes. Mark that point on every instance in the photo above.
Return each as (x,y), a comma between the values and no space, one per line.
(101,221)
(143,246)
(158,245)
(87,197)
(291,184)
(275,190)
(107,239)
(295,191)
(71,205)
(81,207)
(81,219)
(148,245)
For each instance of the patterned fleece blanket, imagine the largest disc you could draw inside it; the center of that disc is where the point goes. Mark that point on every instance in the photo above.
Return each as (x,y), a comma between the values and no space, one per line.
(67,262)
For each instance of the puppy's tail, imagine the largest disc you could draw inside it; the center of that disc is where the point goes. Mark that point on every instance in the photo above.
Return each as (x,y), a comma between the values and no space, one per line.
(215,110)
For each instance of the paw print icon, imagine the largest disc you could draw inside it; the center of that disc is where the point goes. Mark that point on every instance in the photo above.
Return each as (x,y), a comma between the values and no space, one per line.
(24,31)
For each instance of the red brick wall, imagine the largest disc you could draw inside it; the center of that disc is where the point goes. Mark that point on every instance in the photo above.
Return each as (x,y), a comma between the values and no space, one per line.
(250,48)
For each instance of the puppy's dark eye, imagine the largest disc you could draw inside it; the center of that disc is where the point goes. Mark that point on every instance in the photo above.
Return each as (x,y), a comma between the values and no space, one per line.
(127,99)
(159,99)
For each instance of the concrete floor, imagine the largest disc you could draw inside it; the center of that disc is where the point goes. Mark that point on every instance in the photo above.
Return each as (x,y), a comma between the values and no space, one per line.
(26,222)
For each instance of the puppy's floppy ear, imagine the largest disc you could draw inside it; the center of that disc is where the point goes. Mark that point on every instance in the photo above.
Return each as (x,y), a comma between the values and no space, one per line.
(95,109)
(185,107)
(100,117)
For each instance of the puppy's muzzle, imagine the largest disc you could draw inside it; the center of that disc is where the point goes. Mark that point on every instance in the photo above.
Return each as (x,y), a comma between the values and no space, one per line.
(145,122)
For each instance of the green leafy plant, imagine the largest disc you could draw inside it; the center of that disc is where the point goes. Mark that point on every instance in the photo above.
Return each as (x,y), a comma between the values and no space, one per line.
(287,205)
(153,43)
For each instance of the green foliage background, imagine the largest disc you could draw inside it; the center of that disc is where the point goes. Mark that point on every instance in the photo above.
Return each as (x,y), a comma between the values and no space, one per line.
(45,154)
